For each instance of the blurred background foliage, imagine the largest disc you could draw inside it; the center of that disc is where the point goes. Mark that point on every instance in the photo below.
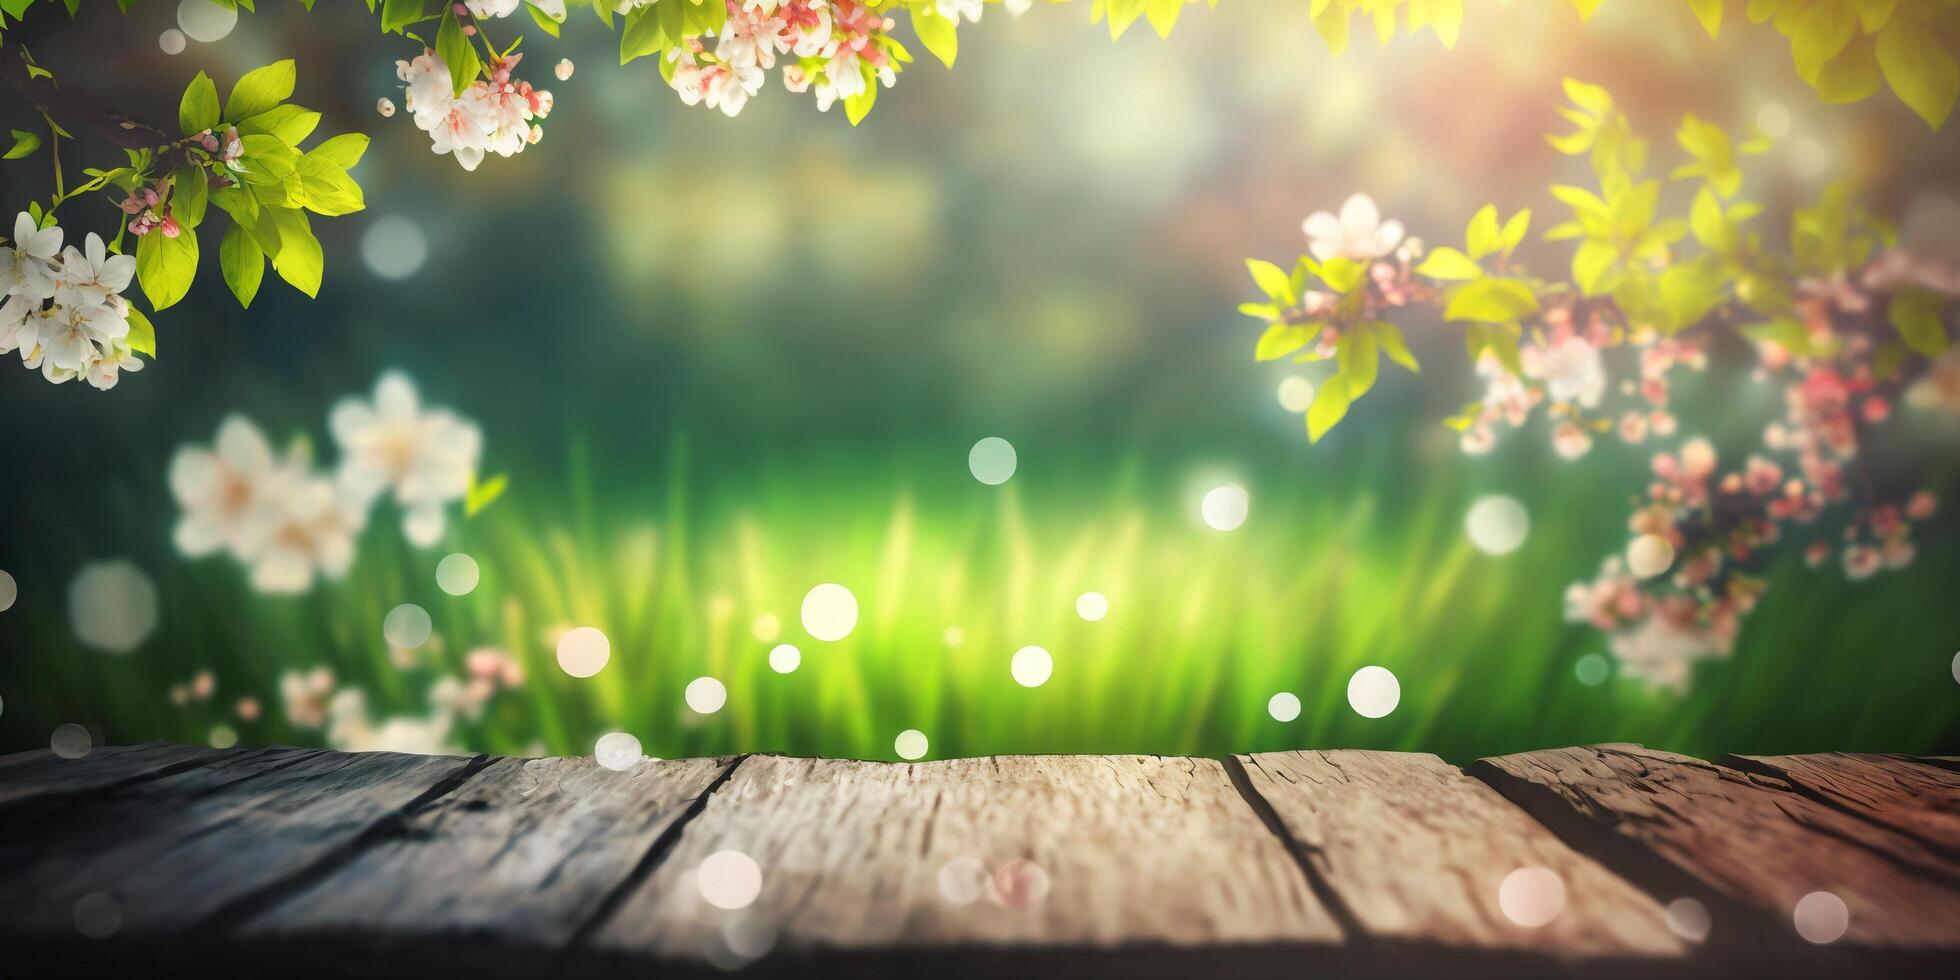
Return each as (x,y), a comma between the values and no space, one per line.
(726,360)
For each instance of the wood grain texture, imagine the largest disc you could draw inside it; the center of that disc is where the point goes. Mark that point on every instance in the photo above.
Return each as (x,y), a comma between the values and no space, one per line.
(174,851)
(525,852)
(1748,845)
(1135,850)
(1416,852)
(1919,800)
(42,774)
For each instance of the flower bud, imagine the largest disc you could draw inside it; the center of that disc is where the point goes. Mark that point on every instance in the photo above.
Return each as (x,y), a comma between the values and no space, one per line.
(564,69)
(385,107)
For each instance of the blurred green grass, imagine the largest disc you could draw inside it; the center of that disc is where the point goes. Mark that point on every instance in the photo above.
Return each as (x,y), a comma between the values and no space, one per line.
(1354,566)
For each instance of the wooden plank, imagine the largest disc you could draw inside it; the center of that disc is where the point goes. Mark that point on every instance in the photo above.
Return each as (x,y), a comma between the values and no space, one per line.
(1417,853)
(1748,846)
(1132,850)
(42,774)
(525,853)
(1915,799)
(175,851)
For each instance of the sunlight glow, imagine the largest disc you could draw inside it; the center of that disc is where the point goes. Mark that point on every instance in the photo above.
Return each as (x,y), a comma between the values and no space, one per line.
(1031,666)
(766,628)
(1373,692)
(830,612)
(1531,897)
(1226,507)
(583,651)
(706,695)
(992,461)
(1497,525)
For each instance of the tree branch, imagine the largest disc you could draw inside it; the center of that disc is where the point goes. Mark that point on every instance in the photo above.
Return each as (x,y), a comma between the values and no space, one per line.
(78,110)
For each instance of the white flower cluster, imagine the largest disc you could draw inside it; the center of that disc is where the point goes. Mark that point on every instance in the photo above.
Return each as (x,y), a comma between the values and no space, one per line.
(63,309)
(495,116)
(289,522)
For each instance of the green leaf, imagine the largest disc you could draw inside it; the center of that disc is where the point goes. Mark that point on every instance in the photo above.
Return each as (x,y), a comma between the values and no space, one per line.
(1590,265)
(1271,281)
(1282,339)
(481,495)
(397,14)
(1514,231)
(326,187)
(344,151)
(1825,28)
(243,264)
(290,123)
(197,111)
(1711,228)
(643,34)
(1342,274)
(190,194)
(1918,316)
(24,144)
(298,261)
(1491,301)
(1920,69)
(165,266)
(937,33)
(1360,360)
(544,22)
(458,52)
(1330,405)
(261,89)
(266,159)
(1449,264)
(1481,237)
(1392,344)
(142,336)
(858,106)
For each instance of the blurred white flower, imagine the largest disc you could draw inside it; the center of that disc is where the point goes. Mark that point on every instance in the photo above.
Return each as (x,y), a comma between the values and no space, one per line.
(305,695)
(1662,652)
(350,730)
(958,10)
(425,458)
(499,8)
(223,492)
(27,266)
(1572,370)
(1358,233)
(311,531)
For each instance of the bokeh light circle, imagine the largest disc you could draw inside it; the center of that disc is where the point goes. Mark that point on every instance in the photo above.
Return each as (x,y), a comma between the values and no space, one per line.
(1031,666)
(706,695)
(618,751)
(729,880)
(1497,525)
(910,744)
(1284,706)
(458,574)
(1649,555)
(785,658)
(407,626)
(1592,670)
(1295,394)
(1821,918)
(112,606)
(1688,918)
(1774,120)
(766,627)
(1225,508)
(1092,606)
(394,248)
(206,21)
(830,612)
(98,916)
(1532,896)
(1373,692)
(9,591)
(992,461)
(962,881)
(171,41)
(583,651)
(71,741)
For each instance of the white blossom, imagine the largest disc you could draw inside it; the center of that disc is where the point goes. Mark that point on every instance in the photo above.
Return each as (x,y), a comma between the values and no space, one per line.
(223,491)
(27,267)
(1358,233)
(425,457)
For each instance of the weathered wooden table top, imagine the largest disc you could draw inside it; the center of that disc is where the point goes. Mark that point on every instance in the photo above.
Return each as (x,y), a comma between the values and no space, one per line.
(1610,860)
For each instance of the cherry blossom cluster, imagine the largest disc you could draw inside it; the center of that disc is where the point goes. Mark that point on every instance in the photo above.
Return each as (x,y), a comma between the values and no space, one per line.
(290,522)
(499,114)
(312,700)
(63,308)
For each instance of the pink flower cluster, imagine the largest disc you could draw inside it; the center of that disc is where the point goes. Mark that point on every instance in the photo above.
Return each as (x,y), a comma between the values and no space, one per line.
(838,46)
(498,115)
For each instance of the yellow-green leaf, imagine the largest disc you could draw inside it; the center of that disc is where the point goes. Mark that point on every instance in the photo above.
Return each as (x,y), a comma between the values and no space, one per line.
(1920,70)
(1449,264)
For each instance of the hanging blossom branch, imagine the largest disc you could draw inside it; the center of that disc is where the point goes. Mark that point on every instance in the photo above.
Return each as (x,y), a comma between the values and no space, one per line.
(1846,321)
(64,310)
